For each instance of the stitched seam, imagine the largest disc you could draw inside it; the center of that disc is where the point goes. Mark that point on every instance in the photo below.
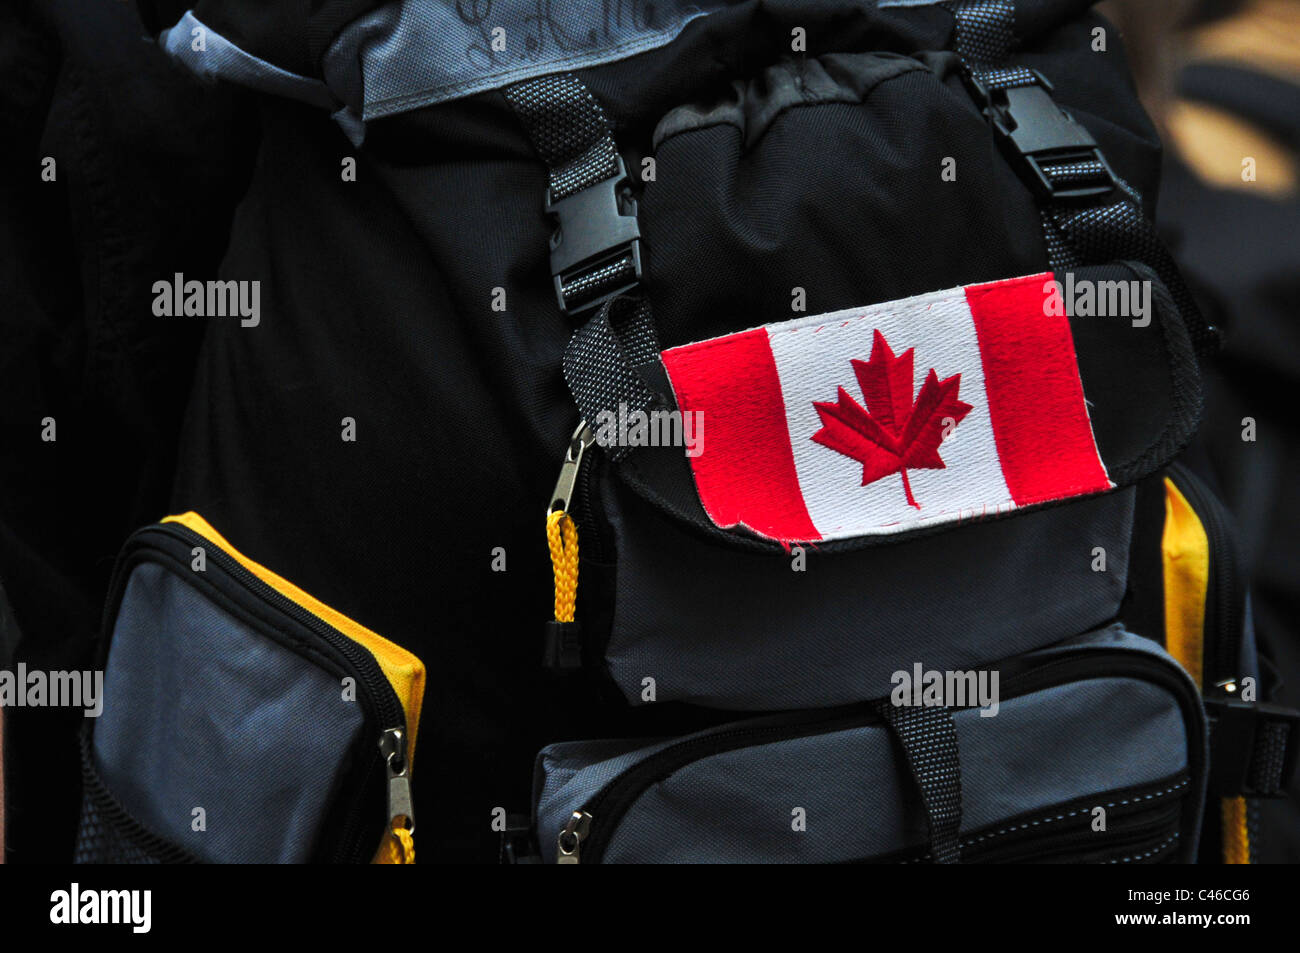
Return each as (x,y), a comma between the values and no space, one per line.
(970,842)
(1075,813)
(1154,850)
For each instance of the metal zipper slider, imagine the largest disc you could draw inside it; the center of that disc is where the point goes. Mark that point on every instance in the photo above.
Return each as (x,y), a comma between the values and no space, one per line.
(582,438)
(571,838)
(401,809)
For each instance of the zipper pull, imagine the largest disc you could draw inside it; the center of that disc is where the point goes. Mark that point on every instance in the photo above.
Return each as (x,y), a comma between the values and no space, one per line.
(571,838)
(401,809)
(563,643)
(582,438)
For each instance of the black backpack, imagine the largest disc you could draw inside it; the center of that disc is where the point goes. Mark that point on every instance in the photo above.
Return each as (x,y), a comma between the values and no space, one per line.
(863,373)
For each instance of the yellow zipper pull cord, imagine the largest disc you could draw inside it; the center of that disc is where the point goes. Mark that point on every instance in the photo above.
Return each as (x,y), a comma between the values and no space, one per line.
(562,538)
(561,531)
(405,845)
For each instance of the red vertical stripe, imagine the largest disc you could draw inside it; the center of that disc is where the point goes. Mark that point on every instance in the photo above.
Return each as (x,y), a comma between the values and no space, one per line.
(745,473)
(1040,422)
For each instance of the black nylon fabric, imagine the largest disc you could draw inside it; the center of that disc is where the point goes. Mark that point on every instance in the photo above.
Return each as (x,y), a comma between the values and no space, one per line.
(377,301)
(377,304)
(462,418)
(148,167)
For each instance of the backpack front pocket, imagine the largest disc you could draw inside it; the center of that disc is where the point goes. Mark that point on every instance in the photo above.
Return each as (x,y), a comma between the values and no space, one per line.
(1095,753)
(783,557)
(244,721)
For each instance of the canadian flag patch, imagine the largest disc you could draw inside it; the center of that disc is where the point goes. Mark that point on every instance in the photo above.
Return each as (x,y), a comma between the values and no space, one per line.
(952,405)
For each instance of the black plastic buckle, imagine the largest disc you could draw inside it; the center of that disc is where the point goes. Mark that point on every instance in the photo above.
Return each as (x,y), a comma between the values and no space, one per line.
(598,227)
(1232,750)
(1038,133)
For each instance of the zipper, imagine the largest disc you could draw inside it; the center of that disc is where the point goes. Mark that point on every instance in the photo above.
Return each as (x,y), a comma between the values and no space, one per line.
(401,806)
(570,468)
(586,836)
(1134,831)
(1043,837)
(571,838)
(572,492)
(1225,600)
(386,763)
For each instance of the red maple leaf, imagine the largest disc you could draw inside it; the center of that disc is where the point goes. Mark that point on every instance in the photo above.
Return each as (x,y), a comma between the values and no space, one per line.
(893,433)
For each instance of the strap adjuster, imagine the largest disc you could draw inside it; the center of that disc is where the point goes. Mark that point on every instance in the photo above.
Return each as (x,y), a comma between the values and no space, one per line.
(1253,747)
(1056,154)
(596,251)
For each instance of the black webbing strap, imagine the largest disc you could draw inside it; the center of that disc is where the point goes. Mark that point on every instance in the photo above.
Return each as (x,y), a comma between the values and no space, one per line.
(928,737)
(1253,747)
(1090,215)
(611,363)
(985,29)
(595,254)
(596,251)
(568,129)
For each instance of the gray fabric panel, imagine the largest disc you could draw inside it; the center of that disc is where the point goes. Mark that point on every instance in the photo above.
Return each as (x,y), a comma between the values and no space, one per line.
(221,59)
(760,636)
(1059,744)
(736,807)
(569,773)
(201,711)
(412,54)
(1039,750)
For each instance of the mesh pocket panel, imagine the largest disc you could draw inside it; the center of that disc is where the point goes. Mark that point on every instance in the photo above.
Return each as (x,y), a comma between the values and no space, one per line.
(107,834)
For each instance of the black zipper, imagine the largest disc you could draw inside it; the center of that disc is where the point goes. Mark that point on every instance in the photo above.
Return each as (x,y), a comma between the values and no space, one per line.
(587,834)
(1225,600)
(1131,833)
(584,509)
(1042,837)
(358,828)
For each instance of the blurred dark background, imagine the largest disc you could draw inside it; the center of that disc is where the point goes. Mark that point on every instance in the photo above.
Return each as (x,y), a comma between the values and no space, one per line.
(1222,81)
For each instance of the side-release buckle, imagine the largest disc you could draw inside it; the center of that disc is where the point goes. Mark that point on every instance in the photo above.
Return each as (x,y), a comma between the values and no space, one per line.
(1056,155)
(596,251)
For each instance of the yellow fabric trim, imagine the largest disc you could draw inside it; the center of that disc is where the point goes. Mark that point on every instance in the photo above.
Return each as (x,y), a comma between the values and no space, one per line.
(1186,552)
(404,671)
(1236,839)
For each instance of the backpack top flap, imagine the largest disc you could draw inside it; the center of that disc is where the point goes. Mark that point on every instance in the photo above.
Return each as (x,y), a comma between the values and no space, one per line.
(872,424)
